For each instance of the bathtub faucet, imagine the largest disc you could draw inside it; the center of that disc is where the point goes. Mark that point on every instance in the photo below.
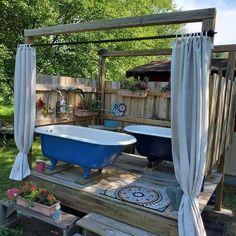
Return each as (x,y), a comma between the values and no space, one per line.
(57,90)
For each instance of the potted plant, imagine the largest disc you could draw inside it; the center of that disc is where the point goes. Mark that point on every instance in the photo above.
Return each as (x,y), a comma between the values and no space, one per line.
(38,199)
(132,87)
(88,108)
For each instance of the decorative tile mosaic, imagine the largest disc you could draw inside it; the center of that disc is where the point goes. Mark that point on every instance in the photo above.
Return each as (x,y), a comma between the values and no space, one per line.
(154,199)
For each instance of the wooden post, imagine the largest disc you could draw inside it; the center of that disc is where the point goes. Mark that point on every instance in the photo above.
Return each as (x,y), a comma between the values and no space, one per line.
(230,74)
(101,83)
(220,187)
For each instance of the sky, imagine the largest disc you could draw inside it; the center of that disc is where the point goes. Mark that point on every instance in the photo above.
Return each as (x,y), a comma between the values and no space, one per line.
(225,18)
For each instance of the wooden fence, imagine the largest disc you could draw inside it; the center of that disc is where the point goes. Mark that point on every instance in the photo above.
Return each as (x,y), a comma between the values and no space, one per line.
(153,109)
(46,91)
(222,105)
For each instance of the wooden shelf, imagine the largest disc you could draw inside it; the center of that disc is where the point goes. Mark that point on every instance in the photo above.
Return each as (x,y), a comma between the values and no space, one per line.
(52,121)
(49,87)
(150,93)
(138,120)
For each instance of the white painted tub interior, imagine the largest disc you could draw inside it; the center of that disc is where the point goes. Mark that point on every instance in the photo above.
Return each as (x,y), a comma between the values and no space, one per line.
(88,135)
(149,130)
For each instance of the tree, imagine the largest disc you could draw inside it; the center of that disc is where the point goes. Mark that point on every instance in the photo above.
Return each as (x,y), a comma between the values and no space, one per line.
(78,60)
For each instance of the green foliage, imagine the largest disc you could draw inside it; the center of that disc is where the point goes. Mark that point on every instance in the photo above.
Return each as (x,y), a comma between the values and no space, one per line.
(76,60)
(134,84)
(4,231)
(31,194)
(6,112)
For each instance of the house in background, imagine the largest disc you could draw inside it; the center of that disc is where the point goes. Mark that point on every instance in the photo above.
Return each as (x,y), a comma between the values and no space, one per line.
(159,71)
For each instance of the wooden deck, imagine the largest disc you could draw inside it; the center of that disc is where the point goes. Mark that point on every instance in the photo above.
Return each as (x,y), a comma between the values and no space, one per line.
(128,169)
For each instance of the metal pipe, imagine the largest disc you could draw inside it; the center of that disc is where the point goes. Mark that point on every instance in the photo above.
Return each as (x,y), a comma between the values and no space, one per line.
(209,33)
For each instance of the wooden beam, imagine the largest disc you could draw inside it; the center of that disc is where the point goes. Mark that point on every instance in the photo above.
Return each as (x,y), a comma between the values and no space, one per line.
(147,121)
(101,83)
(51,87)
(208,24)
(150,93)
(128,22)
(225,48)
(220,186)
(137,53)
(161,52)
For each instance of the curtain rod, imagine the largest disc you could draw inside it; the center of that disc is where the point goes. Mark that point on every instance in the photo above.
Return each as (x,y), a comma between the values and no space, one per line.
(209,33)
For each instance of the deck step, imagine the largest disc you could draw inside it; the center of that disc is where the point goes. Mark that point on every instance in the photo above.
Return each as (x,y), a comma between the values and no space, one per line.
(105,226)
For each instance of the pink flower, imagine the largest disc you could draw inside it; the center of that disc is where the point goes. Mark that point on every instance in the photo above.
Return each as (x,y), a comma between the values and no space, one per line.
(11,193)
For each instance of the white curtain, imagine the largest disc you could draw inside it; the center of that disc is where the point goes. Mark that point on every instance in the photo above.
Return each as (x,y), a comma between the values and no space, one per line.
(189,121)
(24,108)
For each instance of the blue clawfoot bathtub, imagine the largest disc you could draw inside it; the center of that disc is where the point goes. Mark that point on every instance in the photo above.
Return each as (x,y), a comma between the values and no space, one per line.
(89,148)
(152,141)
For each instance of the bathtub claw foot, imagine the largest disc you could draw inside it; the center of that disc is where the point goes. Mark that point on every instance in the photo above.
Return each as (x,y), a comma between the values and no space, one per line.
(99,170)
(86,173)
(149,164)
(53,164)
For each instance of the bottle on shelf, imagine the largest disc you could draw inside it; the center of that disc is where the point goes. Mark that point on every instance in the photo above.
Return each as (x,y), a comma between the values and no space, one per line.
(63,105)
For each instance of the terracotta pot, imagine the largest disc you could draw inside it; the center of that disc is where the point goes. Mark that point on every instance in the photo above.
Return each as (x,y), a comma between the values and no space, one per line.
(43,209)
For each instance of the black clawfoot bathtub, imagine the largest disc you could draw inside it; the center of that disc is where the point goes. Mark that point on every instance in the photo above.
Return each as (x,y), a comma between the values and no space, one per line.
(152,141)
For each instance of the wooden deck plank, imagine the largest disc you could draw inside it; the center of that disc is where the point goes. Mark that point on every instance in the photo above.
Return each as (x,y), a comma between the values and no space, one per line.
(105,226)
(128,169)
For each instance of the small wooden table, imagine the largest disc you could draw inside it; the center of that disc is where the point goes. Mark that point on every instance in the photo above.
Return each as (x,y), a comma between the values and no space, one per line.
(66,222)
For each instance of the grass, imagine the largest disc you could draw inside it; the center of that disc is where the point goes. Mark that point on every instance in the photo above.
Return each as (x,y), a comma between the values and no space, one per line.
(7,158)
(6,113)
(230,198)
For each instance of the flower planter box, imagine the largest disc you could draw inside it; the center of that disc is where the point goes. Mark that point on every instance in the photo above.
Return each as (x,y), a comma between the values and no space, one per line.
(83,112)
(43,209)
(128,93)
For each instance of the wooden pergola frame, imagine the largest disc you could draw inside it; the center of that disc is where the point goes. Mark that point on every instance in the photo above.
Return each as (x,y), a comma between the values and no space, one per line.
(205,16)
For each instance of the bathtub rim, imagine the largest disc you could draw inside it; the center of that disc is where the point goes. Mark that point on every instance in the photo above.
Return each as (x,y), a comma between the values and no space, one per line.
(43,130)
(129,129)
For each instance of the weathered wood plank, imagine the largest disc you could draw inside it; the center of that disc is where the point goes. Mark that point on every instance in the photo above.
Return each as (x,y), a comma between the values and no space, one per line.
(214,84)
(105,226)
(150,92)
(219,115)
(228,116)
(50,87)
(163,51)
(138,120)
(48,121)
(231,117)
(137,53)
(225,116)
(128,22)
(101,84)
